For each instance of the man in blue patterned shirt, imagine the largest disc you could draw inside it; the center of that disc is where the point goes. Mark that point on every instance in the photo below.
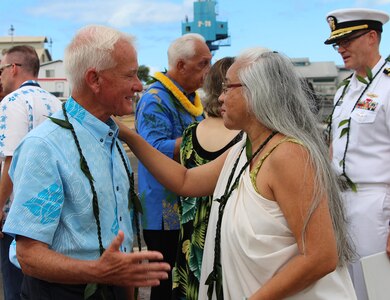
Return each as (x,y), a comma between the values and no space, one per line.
(74,199)
(25,107)
(167,107)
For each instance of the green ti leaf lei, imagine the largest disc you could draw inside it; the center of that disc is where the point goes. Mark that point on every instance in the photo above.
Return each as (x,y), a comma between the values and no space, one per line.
(345,82)
(347,122)
(346,130)
(214,279)
(369,77)
(95,288)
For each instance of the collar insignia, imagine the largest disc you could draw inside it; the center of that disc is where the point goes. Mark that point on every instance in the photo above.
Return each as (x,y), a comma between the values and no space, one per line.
(371,95)
(387,71)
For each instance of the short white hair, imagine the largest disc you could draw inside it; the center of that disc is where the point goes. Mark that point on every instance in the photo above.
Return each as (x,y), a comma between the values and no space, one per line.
(91,47)
(183,48)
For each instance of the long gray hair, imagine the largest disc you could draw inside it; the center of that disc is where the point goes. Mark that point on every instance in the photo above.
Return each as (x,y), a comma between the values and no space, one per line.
(276,96)
(92,47)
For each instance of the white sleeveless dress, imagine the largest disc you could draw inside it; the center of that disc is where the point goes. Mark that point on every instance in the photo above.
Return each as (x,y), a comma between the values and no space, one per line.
(256,242)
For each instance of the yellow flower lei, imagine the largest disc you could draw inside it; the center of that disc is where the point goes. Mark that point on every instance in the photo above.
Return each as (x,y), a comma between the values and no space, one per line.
(195,109)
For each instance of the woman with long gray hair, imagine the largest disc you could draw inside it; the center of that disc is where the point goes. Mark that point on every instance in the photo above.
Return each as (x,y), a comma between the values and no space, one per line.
(277,225)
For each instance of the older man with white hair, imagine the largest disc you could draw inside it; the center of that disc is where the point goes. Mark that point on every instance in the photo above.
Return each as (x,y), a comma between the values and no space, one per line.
(74,193)
(167,107)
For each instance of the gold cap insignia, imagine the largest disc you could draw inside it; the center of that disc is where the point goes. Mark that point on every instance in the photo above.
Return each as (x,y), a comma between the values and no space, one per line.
(332,23)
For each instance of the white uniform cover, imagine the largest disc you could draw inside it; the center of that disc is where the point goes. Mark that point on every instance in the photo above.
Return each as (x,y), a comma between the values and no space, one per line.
(256,242)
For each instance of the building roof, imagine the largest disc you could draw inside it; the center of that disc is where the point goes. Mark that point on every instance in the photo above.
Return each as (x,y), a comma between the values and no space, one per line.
(52,62)
(23,39)
(309,69)
(38,42)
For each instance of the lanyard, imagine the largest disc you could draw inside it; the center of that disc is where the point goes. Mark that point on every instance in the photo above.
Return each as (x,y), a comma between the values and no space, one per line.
(30,83)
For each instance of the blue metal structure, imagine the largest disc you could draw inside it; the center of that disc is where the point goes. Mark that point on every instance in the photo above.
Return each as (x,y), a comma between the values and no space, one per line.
(205,23)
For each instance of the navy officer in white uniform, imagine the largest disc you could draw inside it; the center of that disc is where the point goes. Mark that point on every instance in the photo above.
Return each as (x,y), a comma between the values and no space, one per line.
(360,131)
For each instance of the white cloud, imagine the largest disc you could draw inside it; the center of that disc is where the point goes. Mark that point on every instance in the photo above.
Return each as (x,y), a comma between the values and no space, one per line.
(146,13)
(118,13)
(359,3)
(367,3)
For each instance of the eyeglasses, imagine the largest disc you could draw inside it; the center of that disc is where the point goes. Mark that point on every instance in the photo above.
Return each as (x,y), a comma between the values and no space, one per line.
(345,43)
(226,86)
(7,66)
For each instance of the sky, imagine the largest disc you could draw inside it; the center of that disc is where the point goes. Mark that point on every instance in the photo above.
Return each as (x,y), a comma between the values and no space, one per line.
(296,28)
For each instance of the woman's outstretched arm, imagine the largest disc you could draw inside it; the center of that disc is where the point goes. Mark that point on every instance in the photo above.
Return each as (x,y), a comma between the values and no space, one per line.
(195,182)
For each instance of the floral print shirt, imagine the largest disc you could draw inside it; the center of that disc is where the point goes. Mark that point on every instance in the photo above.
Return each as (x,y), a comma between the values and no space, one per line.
(160,120)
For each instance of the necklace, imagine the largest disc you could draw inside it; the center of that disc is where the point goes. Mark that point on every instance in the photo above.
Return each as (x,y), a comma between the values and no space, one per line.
(195,109)
(344,178)
(215,277)
(93,288)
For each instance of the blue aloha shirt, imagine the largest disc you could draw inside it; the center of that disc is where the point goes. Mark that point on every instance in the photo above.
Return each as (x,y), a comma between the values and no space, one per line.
(52,196)
(160,120)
